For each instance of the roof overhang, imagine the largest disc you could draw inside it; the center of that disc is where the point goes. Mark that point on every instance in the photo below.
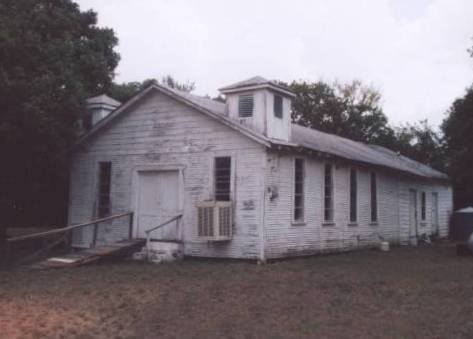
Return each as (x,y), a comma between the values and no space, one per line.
(304,150)
(269,86)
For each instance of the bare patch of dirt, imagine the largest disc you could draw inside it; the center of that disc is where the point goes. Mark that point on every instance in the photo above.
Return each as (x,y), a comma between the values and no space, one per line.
(424,292)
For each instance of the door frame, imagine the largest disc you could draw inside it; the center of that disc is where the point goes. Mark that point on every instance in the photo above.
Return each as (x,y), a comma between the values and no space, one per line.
(135,191)
(416,216)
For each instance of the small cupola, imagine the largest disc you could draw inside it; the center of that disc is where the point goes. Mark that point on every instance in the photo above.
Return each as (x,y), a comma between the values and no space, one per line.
(98,107)
(262,105)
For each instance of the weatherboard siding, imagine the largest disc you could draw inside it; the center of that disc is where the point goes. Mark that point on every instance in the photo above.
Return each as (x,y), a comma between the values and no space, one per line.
(284,238)
(160,131)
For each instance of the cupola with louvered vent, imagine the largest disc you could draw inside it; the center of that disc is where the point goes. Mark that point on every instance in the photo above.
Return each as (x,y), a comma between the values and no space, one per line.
(262,105)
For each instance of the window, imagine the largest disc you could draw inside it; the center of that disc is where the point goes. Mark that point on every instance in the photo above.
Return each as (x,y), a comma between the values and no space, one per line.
(435,213)
(245,106)
(328,193)
(422,206)
(374,198)
(299,190)
(353,195)
(277,106)
(105,176)
(222,175)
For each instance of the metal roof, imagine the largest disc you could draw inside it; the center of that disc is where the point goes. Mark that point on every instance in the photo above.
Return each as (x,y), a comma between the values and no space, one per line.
(256,82)
(300,136)
(103,99)
(360,152)
(465,210)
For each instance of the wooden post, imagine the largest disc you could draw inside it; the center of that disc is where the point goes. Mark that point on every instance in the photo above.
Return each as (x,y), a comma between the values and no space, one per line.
(130,227)
(94,239)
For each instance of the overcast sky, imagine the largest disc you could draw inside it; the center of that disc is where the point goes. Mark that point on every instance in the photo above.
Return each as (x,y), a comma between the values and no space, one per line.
(413,51)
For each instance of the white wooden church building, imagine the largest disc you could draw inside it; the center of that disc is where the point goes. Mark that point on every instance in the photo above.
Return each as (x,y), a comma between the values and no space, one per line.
(247,182)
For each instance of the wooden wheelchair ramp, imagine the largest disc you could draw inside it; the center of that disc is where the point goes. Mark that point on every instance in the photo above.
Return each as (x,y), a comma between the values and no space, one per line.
(113,250)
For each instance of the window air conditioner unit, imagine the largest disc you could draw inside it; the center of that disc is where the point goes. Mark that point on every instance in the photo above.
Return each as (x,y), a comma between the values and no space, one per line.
(215,220)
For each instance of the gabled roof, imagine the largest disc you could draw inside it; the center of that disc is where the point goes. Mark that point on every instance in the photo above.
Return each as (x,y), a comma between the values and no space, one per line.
(207,106)
(256,80)
(103,99)
(256,83)
(468,209)
(301,137)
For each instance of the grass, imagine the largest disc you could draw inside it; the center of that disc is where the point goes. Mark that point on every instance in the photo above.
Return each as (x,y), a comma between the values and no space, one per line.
(423,292)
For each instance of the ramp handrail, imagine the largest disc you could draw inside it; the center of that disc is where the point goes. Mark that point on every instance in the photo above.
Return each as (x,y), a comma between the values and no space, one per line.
(67,228)
(148,232)
(64,237)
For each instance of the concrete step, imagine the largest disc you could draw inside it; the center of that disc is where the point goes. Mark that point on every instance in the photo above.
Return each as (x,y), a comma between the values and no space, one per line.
(161,251)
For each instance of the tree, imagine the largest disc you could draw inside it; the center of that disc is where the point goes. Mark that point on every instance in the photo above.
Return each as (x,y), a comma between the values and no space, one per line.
(52,56)
(457,128)
(354,111)
(124,91)
(349,110)
(420,142)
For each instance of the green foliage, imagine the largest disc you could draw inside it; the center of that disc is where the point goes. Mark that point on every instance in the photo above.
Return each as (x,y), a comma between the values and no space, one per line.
(124,91)
(457,129)
(420,142)
(354,111)
(52,56)
(349,110)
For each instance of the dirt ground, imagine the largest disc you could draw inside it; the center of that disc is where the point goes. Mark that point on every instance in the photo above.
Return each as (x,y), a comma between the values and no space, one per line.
(424,292)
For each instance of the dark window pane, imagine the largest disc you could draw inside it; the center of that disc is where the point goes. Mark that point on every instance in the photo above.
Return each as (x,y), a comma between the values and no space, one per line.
(105,176)
(299,189)
(328,192)
(423,207)
(278,106)
(374,198)
(353,195)
(222,177)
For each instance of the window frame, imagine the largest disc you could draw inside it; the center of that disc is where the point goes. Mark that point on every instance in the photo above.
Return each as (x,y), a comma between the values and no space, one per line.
(104,196)
(295,183)
(353,205)
(374,217)
(331,208)
(243,115)
(278,110)
(434,206)
(423,206)
(214,178)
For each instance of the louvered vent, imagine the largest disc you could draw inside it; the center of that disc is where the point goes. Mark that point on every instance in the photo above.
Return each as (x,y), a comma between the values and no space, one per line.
(215,220)
(245,106)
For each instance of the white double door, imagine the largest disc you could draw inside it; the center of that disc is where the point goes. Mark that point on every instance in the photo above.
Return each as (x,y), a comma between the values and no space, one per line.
(158,201)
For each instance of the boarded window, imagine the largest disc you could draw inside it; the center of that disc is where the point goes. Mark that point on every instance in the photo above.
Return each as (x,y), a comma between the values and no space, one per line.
(105,176)
(328,193)
(353,195)
(222,177)
(245,106)
(374,198)
(422,206)
(278,106)
(299,190)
